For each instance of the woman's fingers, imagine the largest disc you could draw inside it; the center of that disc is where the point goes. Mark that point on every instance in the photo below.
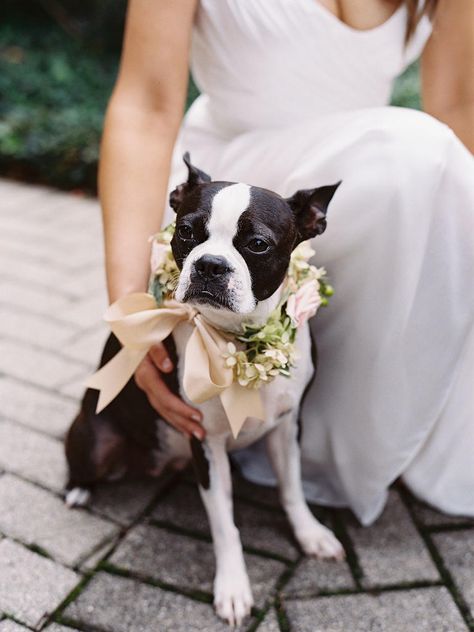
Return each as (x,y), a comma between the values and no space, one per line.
(183,424)
(176,412)
(160,357)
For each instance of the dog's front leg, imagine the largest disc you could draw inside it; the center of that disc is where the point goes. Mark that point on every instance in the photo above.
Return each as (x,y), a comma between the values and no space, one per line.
(232,594)
(283,449)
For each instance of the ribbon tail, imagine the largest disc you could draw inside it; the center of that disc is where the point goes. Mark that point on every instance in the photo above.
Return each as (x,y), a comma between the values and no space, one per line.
(240,403)
(112,377)
(205,374)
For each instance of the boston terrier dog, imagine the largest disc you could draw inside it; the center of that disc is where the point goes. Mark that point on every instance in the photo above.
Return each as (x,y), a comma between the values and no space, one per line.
(232,244)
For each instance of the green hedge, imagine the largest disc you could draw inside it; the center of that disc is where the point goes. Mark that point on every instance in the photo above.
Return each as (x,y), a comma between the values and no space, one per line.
(406,92)
(55,80)
(51,116)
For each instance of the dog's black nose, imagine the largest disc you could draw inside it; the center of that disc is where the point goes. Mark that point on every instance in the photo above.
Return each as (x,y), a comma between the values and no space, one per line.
(211,267)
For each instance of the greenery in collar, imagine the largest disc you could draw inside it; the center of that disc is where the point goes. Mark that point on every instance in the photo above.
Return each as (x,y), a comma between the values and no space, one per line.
(259,353)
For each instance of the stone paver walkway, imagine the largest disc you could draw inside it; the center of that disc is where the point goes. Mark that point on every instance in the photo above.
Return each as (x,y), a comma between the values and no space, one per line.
(140,558)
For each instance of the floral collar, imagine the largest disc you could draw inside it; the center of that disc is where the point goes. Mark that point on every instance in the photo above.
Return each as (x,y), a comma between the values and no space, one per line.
(259,353)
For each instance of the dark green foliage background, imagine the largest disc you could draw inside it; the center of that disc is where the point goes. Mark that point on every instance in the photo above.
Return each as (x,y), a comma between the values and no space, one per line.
(58,63)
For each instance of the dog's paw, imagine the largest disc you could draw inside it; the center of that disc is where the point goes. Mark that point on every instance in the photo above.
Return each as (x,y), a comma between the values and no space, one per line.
(318,541)
(77,497)
(232,596)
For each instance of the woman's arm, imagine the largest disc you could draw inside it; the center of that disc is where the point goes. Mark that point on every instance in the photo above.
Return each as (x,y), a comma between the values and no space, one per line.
(141,126)
(447,68)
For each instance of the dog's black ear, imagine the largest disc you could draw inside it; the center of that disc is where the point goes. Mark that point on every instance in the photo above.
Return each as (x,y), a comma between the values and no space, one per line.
(195,177)
(310,208)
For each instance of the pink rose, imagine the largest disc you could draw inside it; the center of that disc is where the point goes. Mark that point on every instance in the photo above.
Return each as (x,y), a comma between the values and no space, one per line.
(304,303)
(158,255)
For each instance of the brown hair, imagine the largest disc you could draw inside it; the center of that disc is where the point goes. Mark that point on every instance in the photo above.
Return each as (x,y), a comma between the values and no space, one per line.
(428,7)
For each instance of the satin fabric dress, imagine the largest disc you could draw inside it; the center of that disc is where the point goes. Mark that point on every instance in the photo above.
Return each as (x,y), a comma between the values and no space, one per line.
(293,98)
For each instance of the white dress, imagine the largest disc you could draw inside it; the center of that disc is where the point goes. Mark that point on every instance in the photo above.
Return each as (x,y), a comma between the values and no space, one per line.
(293,98)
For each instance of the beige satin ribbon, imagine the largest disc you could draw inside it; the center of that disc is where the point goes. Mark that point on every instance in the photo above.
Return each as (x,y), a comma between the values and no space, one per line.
(138,323)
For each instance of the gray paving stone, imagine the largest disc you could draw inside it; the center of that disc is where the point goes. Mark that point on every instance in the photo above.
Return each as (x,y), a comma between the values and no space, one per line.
(49,252)
(18,196)
(10,626)
(245,490)
(124,501)
(47,232)
(259,528)
(182,506)
(391,551)
(35,407)
(91,562)
(117,604)
(78,282)
(265,530)
(76,387)
(63,218)
(34,329)
(31,586)
(36,517)
(55,627)
(36,205)
(186,562)
(43,368)
(87,347)
(257,493)
(88,251)
(270,623)
(313,577)
(32,456)
(26,272)
(432,518)
(88,284)
(88,311)
(421,610)
(457,550)
(33,247)
(80,217)
(31,298)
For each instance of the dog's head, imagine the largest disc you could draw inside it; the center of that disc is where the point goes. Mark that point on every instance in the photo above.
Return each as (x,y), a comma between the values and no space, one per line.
(233,241)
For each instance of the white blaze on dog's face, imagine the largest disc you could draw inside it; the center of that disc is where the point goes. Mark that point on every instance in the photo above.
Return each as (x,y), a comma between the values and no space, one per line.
(233,241)
(214,271)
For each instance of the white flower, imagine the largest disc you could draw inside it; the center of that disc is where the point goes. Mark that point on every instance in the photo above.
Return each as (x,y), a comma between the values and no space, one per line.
(277,355)
(303,251)
(304,304)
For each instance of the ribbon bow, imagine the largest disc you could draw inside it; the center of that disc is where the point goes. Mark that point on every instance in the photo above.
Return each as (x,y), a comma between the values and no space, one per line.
(138,324)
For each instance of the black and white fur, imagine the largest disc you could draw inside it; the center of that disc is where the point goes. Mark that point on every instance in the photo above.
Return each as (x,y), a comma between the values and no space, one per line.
(233,244)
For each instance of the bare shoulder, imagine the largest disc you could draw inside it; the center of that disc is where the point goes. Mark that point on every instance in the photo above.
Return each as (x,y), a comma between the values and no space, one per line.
(448,58)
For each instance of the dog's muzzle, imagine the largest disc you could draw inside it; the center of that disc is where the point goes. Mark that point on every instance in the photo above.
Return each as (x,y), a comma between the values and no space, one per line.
(209,281)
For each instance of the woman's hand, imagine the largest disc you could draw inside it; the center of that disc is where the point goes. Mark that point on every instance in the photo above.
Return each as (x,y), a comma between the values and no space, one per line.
(170,407)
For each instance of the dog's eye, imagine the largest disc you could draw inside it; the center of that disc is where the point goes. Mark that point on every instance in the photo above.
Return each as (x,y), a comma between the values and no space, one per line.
(258,245)
(185,231)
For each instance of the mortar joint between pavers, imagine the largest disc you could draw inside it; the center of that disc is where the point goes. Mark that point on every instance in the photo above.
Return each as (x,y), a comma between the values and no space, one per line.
(437,558)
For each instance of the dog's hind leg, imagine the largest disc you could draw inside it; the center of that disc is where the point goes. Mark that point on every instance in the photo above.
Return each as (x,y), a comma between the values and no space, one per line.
(95,451)
(104,446)
(284,452)
(232,594)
